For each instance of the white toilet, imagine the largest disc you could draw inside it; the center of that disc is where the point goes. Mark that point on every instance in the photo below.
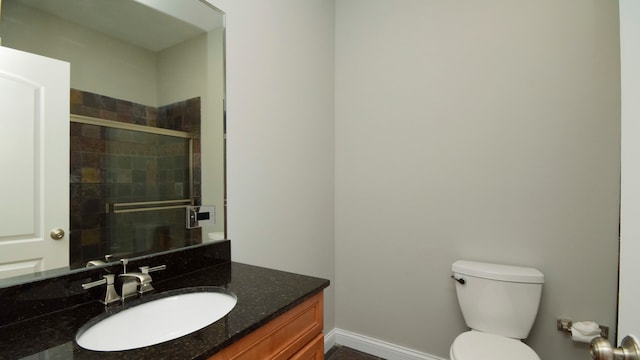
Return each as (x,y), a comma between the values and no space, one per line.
(499,303)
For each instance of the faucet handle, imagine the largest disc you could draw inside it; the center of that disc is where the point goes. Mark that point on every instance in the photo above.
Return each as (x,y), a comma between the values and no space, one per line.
(111,295)
(147,269)
(124,265)
(92,284)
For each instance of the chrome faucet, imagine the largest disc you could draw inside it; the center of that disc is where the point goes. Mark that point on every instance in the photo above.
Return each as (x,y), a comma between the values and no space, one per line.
(111,296)
(137,282)
(107,259)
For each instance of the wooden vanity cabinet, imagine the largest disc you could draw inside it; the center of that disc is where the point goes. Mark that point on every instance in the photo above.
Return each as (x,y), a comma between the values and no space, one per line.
(296,334)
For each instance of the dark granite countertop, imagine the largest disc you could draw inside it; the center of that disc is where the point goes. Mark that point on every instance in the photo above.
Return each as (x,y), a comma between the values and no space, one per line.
(263,294)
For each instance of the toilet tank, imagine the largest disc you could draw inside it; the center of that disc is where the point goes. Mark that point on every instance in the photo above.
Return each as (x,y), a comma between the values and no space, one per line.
(498,299)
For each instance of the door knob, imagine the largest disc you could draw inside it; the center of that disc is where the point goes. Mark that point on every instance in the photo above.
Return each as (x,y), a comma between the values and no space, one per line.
(601,349)
(56,234)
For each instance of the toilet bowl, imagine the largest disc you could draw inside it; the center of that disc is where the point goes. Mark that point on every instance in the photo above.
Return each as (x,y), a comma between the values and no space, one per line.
(476,345)
(499,304)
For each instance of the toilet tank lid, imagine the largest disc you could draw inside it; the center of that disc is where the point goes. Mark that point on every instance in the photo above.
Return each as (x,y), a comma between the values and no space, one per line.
(498,271)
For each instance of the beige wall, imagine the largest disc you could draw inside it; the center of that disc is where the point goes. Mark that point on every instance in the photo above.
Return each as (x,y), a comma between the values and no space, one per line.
(214,193)
(483,130)
(181,71)
(194,68)
(478,130)
(107,66)
(280,135)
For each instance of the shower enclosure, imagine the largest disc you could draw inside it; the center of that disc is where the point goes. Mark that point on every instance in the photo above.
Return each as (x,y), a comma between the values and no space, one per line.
(133,172)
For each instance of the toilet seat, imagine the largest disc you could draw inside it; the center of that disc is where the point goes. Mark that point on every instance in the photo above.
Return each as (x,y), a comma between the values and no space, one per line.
(476,345)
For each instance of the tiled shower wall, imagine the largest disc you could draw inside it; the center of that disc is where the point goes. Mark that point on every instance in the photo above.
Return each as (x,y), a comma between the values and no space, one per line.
(118,166)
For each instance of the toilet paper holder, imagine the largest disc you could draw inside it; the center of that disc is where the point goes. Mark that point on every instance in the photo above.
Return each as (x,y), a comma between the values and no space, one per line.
(565,325)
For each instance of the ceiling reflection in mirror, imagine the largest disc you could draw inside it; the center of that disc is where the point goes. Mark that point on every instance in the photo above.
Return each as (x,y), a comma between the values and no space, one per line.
(147,119)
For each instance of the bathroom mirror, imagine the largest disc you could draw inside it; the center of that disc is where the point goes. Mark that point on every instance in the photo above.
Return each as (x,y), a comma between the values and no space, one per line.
(147,119)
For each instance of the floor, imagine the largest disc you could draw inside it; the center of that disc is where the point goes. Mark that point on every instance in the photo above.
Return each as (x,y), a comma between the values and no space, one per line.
(344,353)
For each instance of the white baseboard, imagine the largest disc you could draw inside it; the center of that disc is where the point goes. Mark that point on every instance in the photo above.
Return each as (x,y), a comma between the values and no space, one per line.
(373,346)
(329,340)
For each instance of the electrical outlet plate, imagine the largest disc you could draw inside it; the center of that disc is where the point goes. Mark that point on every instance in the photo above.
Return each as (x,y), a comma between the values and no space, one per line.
(199,215)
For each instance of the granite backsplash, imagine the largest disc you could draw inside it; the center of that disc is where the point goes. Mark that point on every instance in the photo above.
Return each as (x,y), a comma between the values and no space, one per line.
(36,297)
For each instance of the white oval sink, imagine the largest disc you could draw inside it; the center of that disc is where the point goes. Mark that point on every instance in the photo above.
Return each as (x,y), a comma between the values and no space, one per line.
(157,321)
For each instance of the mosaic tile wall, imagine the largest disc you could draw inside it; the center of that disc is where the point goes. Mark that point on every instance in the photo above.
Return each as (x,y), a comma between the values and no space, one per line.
(118,166)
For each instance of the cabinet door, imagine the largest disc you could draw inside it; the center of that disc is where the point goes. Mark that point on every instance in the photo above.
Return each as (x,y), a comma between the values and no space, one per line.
(283,338)
(313,351)
(34,158)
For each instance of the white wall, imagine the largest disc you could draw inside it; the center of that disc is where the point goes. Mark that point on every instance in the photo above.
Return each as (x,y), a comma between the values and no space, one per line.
(483,130)
(280,135)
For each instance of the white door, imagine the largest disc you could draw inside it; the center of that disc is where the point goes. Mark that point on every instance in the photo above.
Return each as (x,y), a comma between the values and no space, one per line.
(34,162)
(629,292)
